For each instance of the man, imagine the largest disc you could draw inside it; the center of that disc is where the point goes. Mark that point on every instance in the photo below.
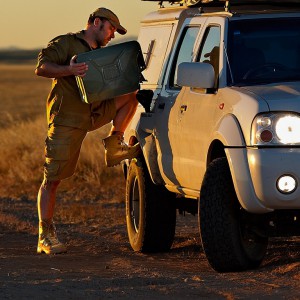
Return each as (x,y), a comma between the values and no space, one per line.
(69,119)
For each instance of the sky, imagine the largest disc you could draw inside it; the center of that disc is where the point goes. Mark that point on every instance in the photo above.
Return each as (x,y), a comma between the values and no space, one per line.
(31,24)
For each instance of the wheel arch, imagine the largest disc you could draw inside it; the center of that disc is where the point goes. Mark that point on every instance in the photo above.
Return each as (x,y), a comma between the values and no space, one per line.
(149,152)
(216,150)
(229,142)
(229,132)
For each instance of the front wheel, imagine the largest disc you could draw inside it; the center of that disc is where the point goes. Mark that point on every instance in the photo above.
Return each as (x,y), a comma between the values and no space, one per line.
(150,211)
(227,239)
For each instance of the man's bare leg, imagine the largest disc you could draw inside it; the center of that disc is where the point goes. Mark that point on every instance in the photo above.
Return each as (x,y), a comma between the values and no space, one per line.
(126,106)
(48,241)
(115,148)
(46,200)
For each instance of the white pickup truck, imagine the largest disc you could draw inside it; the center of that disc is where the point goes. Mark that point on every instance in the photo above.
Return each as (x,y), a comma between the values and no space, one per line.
(221,138)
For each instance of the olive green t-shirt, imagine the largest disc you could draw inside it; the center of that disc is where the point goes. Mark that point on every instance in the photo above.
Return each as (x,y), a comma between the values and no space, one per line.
(64,105)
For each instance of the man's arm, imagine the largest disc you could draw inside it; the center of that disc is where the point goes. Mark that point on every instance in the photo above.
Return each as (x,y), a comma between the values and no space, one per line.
(53,70)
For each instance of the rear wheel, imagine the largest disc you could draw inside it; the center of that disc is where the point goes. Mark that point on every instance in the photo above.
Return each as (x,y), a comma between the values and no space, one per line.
(150,211)
(227,239)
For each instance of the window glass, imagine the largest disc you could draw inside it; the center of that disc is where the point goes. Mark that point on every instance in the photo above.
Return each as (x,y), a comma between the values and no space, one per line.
(264,50)
(185,52)
(210,49)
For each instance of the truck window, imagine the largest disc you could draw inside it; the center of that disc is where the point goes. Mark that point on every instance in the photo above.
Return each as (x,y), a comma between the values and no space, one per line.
(210,49)
(155,49)
(184,53)
(264,50)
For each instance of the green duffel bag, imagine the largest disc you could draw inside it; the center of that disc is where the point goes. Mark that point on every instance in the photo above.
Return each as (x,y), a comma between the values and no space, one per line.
(113,71)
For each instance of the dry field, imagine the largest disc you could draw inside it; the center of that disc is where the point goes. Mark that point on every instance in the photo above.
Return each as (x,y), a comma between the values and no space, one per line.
(22,135)
(90,217)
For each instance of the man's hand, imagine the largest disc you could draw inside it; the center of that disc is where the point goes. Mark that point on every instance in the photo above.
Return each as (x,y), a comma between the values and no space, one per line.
(78,69)
(53,70)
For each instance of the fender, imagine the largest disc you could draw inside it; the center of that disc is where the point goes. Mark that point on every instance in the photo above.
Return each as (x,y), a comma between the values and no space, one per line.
(229,132)
(143,131)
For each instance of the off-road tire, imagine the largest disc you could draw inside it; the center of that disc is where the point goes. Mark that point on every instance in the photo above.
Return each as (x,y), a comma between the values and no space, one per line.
(227,241)
(150,211)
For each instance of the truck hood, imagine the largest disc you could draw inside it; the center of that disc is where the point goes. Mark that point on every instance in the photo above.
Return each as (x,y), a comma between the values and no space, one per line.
(280,96)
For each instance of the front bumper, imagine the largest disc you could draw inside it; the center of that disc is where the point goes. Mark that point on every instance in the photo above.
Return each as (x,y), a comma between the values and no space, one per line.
(255,173)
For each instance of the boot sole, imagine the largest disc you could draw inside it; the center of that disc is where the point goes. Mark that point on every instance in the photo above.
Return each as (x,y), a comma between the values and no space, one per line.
(57,251)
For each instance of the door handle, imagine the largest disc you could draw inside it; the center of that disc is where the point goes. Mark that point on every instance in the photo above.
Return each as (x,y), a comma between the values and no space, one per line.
(183,108)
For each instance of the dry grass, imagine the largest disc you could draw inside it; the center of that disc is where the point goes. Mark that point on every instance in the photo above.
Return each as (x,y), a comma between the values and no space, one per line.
(22,135)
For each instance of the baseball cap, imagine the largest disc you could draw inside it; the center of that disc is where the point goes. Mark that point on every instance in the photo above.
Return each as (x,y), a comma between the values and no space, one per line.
(111,17)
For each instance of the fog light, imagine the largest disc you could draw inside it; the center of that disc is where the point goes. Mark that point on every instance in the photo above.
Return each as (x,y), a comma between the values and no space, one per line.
(286,184)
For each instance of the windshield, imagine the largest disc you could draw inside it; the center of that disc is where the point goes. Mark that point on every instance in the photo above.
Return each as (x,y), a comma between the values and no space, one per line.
(264,50)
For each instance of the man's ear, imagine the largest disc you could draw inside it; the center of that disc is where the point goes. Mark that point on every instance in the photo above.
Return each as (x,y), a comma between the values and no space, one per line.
(97,21)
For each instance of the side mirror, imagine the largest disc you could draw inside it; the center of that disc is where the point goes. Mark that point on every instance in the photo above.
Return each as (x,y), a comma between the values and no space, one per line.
(196,75)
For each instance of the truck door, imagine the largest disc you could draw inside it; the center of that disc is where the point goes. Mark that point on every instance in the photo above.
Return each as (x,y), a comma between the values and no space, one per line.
(167,110)
(197,111)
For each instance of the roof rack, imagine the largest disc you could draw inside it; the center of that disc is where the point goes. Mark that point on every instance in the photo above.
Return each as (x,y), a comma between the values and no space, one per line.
(227,3)
(186,2)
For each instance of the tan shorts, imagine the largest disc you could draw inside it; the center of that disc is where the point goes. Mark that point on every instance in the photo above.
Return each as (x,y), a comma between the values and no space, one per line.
(63,143)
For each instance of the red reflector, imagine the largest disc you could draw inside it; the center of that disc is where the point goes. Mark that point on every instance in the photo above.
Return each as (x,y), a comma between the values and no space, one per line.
(266,136)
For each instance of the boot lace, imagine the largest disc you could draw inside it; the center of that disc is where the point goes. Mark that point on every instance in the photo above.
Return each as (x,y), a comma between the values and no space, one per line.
(50,237)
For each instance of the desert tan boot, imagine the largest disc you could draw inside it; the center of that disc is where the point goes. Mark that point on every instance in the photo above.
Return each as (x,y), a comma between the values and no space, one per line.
(48,241)
(117,150)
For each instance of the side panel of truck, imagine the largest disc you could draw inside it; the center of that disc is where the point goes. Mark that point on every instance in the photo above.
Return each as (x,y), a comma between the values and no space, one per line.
(155,51)
(168,110)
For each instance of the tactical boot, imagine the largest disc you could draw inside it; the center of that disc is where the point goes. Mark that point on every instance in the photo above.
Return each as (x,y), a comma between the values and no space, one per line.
(117,150)
(48,241)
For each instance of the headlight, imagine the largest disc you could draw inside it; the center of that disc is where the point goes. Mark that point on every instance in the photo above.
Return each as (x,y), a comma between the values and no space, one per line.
(288,129)
(276,129)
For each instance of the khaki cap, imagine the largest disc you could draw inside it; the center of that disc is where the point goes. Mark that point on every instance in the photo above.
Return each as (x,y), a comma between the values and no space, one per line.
(111,17)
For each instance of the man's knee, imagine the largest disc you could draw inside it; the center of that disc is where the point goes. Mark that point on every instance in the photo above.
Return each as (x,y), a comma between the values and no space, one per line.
(128,100)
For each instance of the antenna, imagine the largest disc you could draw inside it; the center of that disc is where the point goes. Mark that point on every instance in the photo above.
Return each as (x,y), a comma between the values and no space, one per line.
(227,6)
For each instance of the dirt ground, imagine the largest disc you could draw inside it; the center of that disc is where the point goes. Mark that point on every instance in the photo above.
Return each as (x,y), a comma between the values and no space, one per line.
(101,265)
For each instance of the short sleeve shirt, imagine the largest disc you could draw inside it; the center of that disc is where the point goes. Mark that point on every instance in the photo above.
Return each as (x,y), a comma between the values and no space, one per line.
(64,105)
